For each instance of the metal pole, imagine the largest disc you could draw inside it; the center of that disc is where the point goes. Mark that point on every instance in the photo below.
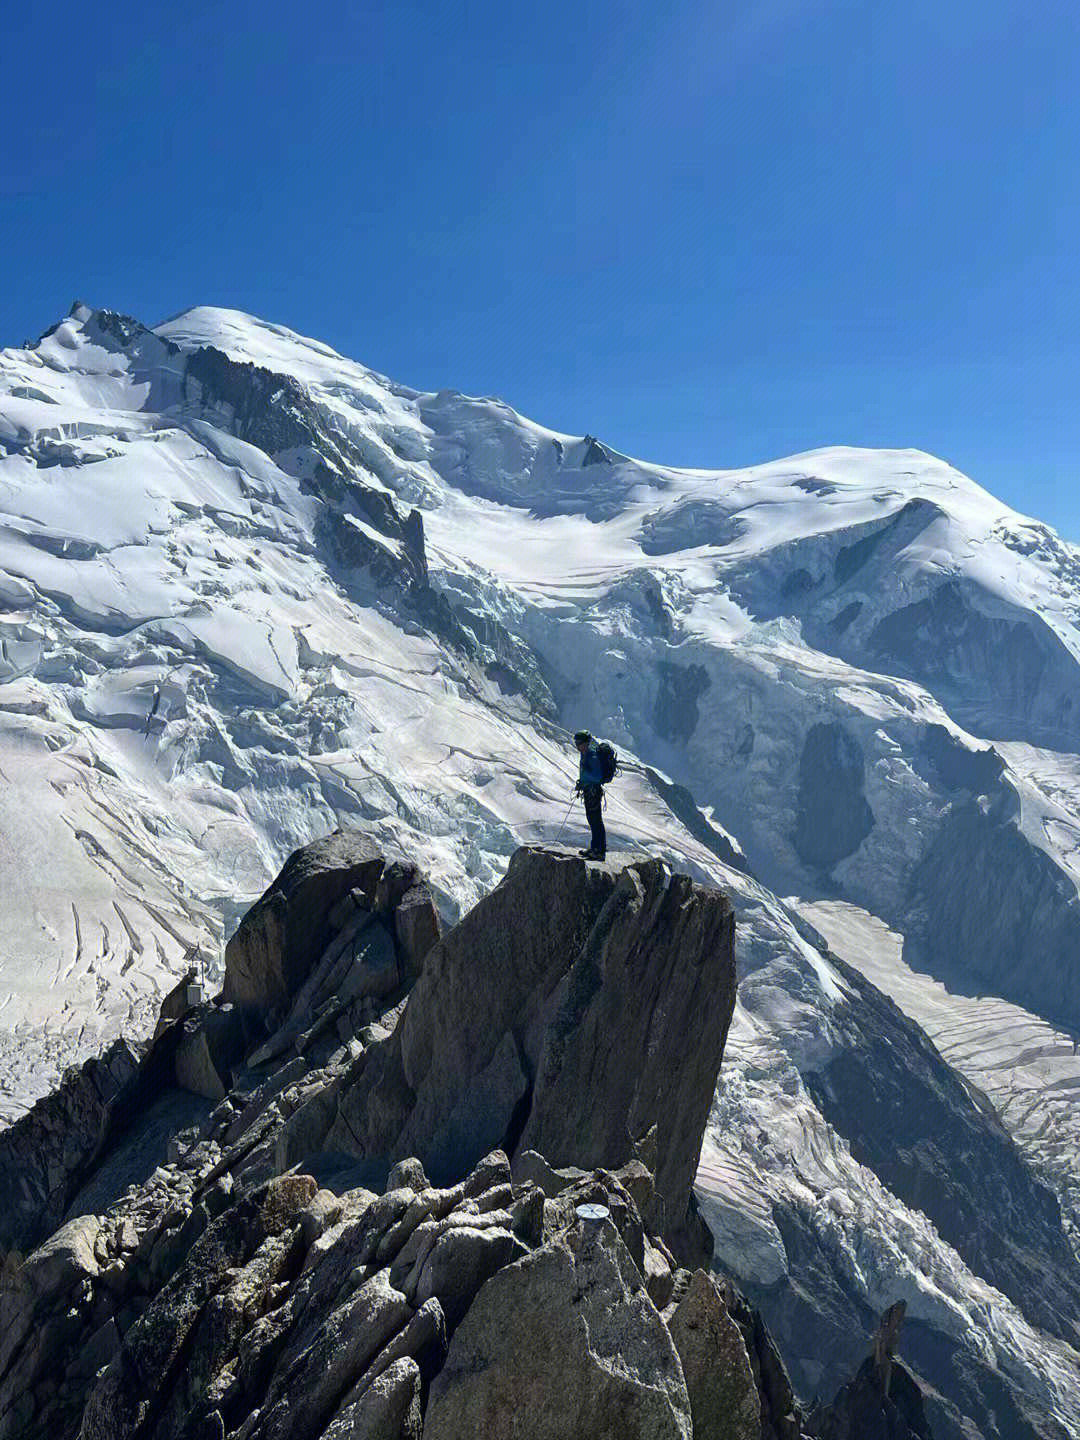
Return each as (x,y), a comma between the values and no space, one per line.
(566,817)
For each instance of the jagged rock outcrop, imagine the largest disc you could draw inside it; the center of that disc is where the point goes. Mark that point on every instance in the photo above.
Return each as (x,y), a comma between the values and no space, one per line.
(254,1282)
(882,1402)
(337,939)
(865,1410)
(779,1411)
(635,1037)
(576,1012)
(287,930)
(821,1325)
(724,1400)
(44,1152)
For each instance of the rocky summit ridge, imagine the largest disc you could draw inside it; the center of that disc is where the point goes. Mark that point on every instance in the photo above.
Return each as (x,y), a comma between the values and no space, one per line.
(395,1183)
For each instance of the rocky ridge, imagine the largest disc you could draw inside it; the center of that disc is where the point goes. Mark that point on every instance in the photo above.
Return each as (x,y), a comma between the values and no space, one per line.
(251,1244)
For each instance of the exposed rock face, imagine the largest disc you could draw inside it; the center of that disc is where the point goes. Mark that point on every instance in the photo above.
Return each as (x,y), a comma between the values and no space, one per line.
(389,1409)
(505,658)
(833,816)
(676,712)
(724,1400)
(572,1012)
(200,1306)
(361,531)
(274,412)
(575,1308)
(206,1048)
(948,641)
(680,802)
(282,936)
(863,1410)
(996,664)
(958,767)
(43,1154)
(821,1323)
(779,1412)
(631,1052)
(348,953)
(446,1085)
(1022,938)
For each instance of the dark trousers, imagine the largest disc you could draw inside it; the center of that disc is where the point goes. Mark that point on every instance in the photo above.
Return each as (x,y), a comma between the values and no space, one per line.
(594,814)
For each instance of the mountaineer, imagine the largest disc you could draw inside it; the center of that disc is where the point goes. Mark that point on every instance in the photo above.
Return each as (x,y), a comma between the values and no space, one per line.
(598,766)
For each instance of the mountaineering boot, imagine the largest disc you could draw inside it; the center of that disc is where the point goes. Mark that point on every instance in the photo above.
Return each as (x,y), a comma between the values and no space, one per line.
(594,854)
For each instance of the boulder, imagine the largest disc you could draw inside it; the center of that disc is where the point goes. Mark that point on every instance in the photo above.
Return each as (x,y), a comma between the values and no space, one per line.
(564,1342)
(407,1174)
(529,1167)
(723,1397)
(66,1257)
(42,1284)
(659,1277)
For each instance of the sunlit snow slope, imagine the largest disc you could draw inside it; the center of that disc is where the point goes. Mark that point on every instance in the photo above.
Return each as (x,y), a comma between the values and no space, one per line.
(250,590)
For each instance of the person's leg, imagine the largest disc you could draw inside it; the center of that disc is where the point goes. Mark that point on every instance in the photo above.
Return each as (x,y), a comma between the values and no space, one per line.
(594,801)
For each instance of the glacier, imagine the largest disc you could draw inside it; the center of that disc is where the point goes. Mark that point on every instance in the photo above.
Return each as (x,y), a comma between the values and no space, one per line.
(843,687)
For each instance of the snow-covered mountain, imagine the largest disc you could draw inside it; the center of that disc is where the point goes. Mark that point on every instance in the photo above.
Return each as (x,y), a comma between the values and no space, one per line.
(252,590)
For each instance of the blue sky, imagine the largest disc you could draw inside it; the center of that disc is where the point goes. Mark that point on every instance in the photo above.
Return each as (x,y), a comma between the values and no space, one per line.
(711,233)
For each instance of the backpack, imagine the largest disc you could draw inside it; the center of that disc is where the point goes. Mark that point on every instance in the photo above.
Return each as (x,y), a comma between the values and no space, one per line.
(609,760)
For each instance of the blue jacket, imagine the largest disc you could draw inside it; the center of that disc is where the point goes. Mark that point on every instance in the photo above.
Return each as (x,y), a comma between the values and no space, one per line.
(590,772)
